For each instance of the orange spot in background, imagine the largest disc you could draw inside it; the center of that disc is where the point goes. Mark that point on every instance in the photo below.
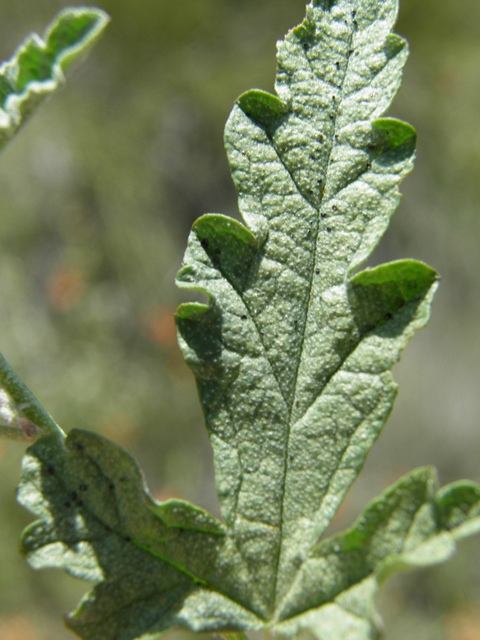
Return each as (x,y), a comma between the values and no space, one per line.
(158,325)
(122,429)
(66,288)
(463,624)
(16,627)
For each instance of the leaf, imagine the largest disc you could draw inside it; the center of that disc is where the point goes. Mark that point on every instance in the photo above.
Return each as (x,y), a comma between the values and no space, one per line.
(38,67)
(292,356)
(292,363)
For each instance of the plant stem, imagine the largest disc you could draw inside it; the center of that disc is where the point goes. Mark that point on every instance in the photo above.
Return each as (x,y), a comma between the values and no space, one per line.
(38,422)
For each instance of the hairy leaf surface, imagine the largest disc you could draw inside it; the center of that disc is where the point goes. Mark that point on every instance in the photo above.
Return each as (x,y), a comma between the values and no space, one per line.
(292,357)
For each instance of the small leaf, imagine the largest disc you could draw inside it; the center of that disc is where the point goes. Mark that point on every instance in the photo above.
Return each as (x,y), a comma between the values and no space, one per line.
(39,65)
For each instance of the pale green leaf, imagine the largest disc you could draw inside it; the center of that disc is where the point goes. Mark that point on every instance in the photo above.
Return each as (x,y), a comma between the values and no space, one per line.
(292,356)
(38,67)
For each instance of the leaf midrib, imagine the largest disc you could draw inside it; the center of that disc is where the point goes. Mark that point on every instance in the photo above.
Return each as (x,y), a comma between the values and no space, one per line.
(307,309)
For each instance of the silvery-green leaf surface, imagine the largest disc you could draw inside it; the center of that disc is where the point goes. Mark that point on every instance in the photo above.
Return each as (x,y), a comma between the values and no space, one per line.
(38,67)
(292,356)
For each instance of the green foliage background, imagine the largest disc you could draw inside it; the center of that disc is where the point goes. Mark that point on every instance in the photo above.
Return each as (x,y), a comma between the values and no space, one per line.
(97,196)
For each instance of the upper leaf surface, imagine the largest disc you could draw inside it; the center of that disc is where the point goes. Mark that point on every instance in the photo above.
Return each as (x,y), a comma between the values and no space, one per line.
(38,67)
(293,377)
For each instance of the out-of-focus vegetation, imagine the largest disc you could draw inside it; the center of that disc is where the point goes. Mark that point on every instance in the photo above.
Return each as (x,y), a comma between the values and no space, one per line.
(96,199)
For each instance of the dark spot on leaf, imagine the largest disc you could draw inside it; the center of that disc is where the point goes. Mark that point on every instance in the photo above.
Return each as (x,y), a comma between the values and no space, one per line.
(323,214)
(297,403)
(243,317)
(331,116)
(336,138)
(181,529)
(79,447)
(306,46)
(83,487)
(354,13)
(320,137)
(204,242)
(313,156)
(371,146)
(127,539)
(337,64)
(317,271)
(80,503)
(329,230)
(368,166)
(320,181)
(292,458)
(389,316)
(355,24)
(350,52)
(74,495)
(67,505)
(51,470)
(334,207)
(111,486)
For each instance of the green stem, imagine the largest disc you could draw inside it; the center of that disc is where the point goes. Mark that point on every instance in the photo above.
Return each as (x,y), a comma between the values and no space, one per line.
(27,404)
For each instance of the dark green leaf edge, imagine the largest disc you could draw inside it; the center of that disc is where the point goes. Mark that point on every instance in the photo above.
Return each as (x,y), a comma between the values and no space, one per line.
(38,67)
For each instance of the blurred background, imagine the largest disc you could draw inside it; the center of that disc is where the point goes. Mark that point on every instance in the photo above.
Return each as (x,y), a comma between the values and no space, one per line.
(97,196)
